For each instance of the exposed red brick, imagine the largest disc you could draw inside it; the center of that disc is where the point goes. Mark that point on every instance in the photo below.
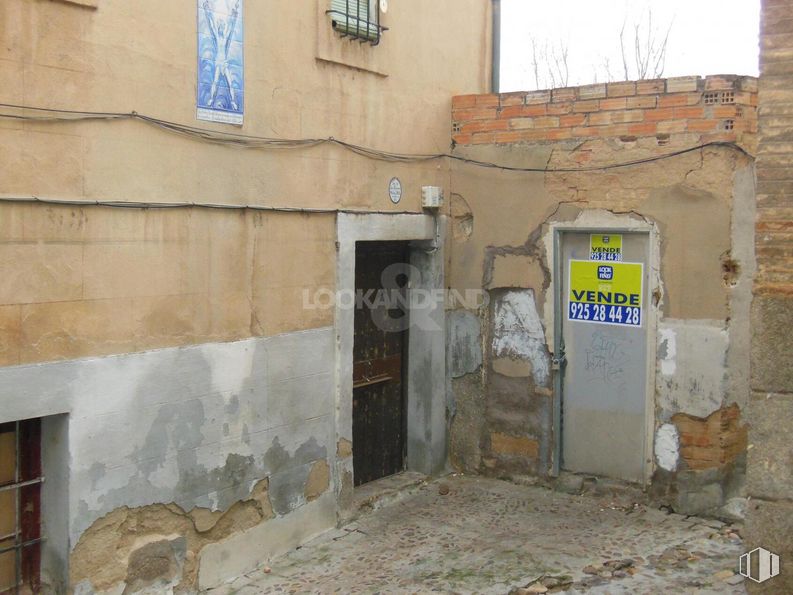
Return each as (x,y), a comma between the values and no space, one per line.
(651,87)
(682,84)
(463,101)
(520,123)
(719,83)
(557,109)
(613,104)
(474,114)
(643,129)
(484,138)
(572,120)
(724,111)
(508,99)
(509,137)
(546,122)
(626,116)
(589,105)
(484,125)
(628,111)
(596,91)
(599,118)
(712,441)
(689,112)
(559,133)
(566,94)
(583,131)
(644,101)
(520,111)
(489,100)
(701,125)
(666,113)
(621,89)
(676,100)
(538,97)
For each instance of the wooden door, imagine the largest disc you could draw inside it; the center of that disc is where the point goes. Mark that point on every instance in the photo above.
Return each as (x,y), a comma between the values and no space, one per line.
(379,422)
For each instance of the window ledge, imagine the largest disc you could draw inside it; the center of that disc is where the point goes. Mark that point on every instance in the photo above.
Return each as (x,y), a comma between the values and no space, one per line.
(332,48)
(84,3)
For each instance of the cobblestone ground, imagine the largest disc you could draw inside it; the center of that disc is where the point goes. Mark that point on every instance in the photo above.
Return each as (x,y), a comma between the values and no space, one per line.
(490,536)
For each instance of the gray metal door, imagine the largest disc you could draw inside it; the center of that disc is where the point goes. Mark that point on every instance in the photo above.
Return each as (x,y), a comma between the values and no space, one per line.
(604,324)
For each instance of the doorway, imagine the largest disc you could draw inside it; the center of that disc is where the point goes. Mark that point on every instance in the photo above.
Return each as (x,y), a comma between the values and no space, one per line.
(603,315)
(379,424)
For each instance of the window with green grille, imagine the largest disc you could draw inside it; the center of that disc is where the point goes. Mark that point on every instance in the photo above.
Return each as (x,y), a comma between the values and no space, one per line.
(358,19)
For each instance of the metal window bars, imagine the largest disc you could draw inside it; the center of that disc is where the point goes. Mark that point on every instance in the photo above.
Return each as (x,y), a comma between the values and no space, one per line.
(24,537)
(357,19)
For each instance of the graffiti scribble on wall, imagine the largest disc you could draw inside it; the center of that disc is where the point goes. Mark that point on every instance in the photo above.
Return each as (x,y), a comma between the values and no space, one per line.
(221,82)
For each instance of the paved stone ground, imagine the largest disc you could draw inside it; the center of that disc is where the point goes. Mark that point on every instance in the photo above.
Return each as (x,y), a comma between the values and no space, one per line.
(490,536)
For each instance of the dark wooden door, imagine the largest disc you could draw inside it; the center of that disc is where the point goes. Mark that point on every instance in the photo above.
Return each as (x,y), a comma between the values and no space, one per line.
(378,399)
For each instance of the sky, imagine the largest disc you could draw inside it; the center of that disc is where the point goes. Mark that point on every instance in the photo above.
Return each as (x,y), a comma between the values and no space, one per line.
(705,37)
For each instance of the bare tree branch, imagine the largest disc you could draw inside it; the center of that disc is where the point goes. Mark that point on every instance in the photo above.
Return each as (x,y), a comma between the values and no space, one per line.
(649,51)
(550,62)
(622,50)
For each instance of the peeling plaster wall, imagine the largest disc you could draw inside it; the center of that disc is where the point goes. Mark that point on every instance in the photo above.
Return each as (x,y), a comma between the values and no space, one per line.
(692,361)
(699,207)
(518,334)
(464,342)
(196,429)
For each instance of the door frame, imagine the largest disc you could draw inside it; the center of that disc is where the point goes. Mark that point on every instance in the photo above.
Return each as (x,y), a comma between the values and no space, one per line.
(623,225)
(425,369)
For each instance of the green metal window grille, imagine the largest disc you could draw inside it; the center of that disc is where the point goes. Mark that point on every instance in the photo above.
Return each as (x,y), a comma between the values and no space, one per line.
(356,19)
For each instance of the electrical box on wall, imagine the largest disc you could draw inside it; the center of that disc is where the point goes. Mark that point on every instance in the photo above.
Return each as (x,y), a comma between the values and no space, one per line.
(431,197)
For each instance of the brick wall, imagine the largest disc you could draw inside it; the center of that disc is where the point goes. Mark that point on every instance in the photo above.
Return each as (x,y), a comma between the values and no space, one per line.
(769,520)
(775,155)
(713,441)
(716,108)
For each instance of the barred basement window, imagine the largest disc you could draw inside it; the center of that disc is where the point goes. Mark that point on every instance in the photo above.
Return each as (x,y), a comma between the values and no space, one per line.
(357,19)
(20,506)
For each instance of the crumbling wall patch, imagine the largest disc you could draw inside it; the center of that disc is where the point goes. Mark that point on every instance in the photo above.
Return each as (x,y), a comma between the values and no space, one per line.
(518,333)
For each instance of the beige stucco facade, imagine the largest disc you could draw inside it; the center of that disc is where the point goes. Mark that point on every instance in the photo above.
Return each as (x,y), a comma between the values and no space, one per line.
(177,334)
(157,305)
(302,81)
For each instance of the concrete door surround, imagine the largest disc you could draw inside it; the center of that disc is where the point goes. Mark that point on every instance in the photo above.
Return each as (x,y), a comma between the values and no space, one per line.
(426,363)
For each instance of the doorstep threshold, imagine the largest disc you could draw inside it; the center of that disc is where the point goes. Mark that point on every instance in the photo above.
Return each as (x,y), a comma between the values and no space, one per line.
(382,492)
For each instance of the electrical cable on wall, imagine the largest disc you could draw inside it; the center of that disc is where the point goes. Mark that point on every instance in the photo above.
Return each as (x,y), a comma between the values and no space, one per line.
(259,142)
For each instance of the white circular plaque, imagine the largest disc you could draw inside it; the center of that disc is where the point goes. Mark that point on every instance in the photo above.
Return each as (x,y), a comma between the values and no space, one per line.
(395,190)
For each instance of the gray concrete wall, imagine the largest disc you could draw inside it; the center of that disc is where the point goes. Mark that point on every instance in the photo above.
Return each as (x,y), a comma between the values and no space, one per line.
(197,429)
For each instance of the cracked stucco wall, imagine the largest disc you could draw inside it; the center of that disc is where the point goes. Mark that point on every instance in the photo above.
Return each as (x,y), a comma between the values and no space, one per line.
(700,206)
(92,281)
(213,440)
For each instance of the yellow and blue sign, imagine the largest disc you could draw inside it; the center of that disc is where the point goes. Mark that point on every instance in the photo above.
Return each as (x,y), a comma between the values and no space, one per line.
(606,293)
(606,247)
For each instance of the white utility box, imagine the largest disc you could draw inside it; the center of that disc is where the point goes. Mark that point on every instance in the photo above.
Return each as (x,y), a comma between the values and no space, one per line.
(431,197)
